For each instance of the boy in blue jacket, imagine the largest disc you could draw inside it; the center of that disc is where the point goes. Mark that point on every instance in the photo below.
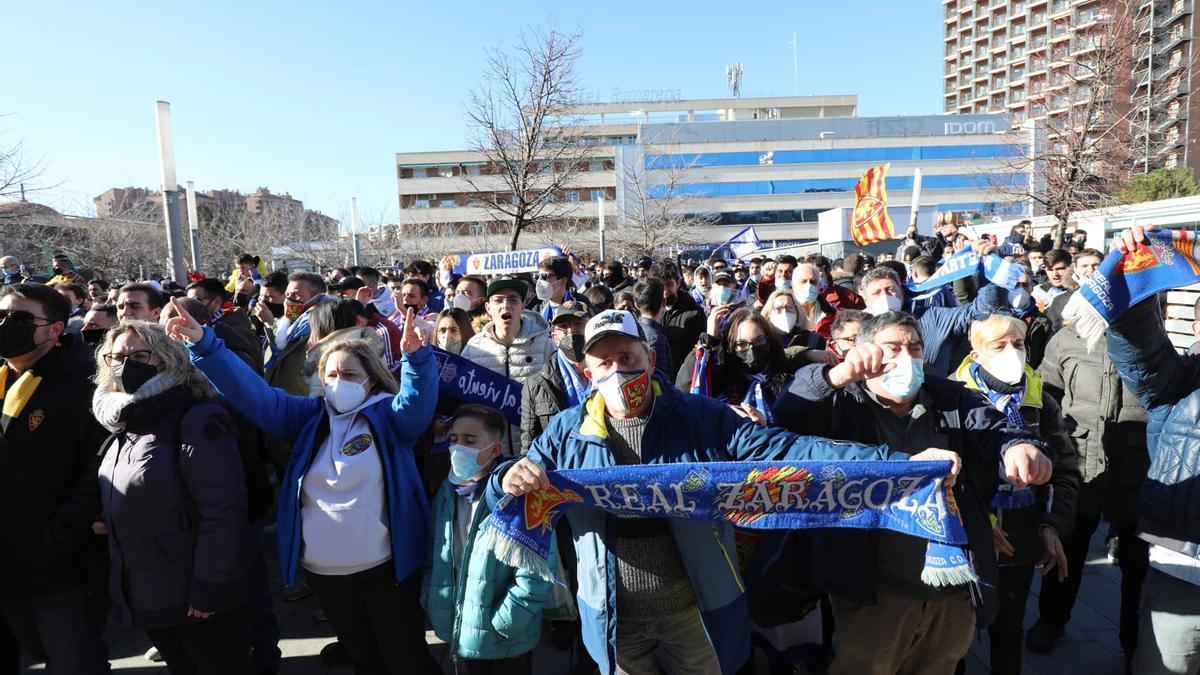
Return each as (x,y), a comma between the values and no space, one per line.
(488,613)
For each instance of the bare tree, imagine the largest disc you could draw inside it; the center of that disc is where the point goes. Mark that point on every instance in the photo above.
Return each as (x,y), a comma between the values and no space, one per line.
(660,211)
(1084,135)
(521,123)
(19,172)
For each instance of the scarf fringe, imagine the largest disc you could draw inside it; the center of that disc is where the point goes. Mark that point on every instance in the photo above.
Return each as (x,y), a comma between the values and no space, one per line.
(1086,320)
(509,551)
(956,575)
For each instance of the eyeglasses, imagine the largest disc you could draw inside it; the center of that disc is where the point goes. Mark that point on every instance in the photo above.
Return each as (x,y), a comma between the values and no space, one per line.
(19,316)
(502,300)
(743,345)
(139,356)
(850,340)
(546,276)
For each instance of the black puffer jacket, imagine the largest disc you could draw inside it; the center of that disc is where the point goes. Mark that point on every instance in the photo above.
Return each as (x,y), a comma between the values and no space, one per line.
(683,322)
(175,502)
(48,459)
(1105,420)
(543,397)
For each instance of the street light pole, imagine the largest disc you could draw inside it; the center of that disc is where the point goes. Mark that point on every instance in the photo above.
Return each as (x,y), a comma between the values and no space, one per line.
(170,189)
(193,224)
(354,231)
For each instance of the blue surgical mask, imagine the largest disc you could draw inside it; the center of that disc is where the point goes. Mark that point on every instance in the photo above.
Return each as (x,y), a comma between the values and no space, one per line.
(464,463)
(805,293)
(784,284)
(755,277)
(722,295)
(905,378)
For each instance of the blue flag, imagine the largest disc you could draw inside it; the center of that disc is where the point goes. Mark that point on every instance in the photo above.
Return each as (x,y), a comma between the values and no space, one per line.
(743,243)
(465,381)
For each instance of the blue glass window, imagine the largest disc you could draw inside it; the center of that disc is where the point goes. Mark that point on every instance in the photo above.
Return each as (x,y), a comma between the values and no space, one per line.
(779,187)
(833,155)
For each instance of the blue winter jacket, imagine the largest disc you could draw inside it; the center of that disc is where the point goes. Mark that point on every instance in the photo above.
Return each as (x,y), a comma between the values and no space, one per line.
(302,421)
(1168,385)
(489,610)
(681,428)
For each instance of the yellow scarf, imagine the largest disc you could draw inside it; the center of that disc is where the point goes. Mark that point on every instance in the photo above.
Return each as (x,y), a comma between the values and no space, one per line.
(22,390)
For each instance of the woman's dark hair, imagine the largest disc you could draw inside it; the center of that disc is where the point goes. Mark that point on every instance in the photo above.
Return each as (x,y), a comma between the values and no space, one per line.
(461,318)
(778,374)
(334,315)
(247,259)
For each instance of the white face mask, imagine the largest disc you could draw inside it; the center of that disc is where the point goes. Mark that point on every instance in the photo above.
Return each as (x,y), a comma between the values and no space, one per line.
(1008,366)
(805,293)
(881,304)
(345,395)
(624,391)
(544,289)
(905,378)
(1020,298)
(461,302)
(784,322)
(450,344)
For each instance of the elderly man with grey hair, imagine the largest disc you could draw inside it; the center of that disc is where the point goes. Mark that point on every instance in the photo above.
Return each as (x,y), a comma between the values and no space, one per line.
(12,271)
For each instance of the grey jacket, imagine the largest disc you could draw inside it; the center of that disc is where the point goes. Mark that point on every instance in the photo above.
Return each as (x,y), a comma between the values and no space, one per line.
(174,499)
(522,359)
(1105,420)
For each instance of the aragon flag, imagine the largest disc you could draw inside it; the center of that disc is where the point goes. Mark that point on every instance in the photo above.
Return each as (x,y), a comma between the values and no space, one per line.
(870,222)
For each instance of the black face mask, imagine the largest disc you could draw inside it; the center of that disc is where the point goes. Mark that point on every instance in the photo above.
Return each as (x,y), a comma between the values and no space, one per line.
(132,375)
(276,309)
(93,336)
(571,347)
(16,338)
(756,359)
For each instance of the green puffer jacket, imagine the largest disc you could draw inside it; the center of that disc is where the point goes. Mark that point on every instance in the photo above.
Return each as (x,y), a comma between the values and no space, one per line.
(491,610)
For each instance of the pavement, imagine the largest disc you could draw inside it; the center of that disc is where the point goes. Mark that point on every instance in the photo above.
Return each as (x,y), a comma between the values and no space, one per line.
(1089,646)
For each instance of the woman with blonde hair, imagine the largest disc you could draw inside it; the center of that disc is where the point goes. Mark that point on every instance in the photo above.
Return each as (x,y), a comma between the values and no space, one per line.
(175,503)
(352,509)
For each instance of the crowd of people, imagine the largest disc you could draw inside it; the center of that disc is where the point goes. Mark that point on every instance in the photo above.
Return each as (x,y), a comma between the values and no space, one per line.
(158,433)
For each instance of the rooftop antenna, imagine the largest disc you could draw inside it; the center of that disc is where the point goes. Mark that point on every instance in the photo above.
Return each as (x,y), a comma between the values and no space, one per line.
(733,75)
(795,68)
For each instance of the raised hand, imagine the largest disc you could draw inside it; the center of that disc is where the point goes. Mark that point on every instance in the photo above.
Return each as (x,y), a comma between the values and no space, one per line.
(1025,465)
(862,362)
(1129,239)
(523,477)
(183,326)
(413,339)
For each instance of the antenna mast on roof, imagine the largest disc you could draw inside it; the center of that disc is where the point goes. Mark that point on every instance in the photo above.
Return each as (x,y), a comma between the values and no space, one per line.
(733,75)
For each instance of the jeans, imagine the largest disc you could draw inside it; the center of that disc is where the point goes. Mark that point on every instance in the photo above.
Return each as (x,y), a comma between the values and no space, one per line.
(377,619)
(681,637)
(1007,632)
(63,624)
(1058,597)
(1170,626)
(213,646)
(901,635)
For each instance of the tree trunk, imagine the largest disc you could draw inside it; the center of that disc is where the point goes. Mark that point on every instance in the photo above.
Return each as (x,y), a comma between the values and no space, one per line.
(1060,227)
(517,226)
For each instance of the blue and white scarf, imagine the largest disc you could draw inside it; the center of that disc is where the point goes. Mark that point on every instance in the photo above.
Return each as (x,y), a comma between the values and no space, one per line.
(576,388)
(756,397)
(550,310)
(967,263)
(1007,496)
(906,497)
(1169,259)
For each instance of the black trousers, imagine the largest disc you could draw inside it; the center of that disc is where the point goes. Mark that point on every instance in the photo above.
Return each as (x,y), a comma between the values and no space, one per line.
(1007,632)
(514,665)
(217,645)
(1057,598)
(377,619)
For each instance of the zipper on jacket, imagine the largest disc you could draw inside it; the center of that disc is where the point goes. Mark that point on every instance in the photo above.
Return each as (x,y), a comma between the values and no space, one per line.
(737,579)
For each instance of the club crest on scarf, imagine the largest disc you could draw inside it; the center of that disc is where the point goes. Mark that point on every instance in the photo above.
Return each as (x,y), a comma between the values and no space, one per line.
(763,491)
(541,507)
(1145,257)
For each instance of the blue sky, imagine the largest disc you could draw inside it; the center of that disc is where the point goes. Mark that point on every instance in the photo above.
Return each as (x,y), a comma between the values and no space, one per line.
(314,98)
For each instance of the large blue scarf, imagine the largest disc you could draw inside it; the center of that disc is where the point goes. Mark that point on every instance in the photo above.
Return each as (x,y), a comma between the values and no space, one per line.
(1168,260)
(906,497)
(968,263)
(575,387)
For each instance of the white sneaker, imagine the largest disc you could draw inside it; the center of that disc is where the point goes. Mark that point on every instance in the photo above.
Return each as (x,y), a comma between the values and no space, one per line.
(153,655)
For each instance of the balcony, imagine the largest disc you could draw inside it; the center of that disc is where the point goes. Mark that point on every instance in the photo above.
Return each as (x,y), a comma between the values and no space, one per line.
(1177,38)
(1177,11)
(1168,70)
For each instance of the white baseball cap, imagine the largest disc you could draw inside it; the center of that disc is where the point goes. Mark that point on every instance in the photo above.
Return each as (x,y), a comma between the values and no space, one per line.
(611,322)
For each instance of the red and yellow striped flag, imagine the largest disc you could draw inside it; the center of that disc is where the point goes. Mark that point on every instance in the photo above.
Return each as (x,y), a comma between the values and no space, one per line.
(870,222)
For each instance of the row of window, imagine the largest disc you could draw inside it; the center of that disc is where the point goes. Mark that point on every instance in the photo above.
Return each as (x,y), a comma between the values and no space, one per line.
(780,187)
(833,155)
(435,201)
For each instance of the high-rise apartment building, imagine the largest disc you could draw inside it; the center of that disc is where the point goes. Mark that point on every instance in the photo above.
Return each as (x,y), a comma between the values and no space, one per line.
(1033,59)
